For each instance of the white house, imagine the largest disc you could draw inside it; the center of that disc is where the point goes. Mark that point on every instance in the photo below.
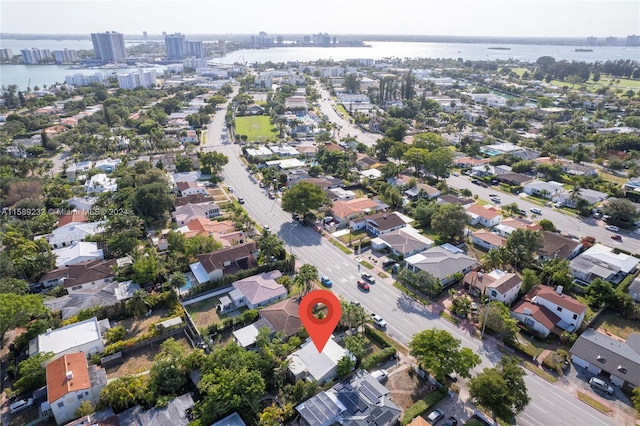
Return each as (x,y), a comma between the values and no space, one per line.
(487,216)
(443,262)
(80,251)
(505,288)
(190,188)
(402,242)
(487,239)
(70,382)
(72,232)
(600,261)
(185,214)
(545,311)
(258,290)
(100,183)
(77,169)
(543,189)
(308,363)
(107,165)
(84,336)
(212,266)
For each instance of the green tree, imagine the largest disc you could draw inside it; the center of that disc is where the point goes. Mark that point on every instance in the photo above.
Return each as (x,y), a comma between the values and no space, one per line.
(124,392)
(115,334)
(351,83)
(275,415)
(139,303)
(32,372)
(529,280)
(13,285)
(498,319)
(305,277)
(636,398)
(450,221)
(620,210)
(345,365)
(522,245)
(122,233)
(439,352)
(270,246)
(85,409)
(547,225)
(145,269)
(501,389)
(16,310)
(599,293)
(152,200)
(356,345)
(303,198)
(177,280)
(439,162)
(556,272)
(211,163)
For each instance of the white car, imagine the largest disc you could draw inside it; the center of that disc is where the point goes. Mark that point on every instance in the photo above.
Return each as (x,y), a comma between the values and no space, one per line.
(535,211)
(18,406)
(379,321)
(380,375)
(368,278)
(612,228)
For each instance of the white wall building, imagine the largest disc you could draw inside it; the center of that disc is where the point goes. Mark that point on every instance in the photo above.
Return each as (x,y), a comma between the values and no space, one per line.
(141,77)
(84,336)
(84,80)
(100,183)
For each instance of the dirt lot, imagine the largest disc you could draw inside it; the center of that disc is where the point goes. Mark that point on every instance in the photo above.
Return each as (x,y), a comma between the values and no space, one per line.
(610,323)
(141,324)
(406,387)
(218,195)
(140,360)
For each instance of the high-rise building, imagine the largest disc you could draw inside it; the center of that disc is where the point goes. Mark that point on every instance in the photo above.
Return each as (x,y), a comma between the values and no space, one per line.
(144,35)
(65,56)
(36,56)
(633,40)
(84,80)
(6,54)
(141,77)
(592,41)
(195,63)
(610,41)
(109,46)
(175,46)
(194,49)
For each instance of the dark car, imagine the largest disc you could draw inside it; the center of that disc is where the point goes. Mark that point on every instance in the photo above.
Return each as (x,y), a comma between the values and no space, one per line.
(363,285)
(295,216)
(388,263)
(451,421)
(616,237)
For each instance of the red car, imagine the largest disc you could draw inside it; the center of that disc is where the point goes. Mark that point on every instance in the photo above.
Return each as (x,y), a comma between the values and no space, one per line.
(363,285)
(616,237)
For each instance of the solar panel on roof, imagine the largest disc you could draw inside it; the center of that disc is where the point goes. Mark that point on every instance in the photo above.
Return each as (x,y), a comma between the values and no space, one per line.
(376,412)
(362,405)
(369,394)
(374,390)
(346,401)
(384,418)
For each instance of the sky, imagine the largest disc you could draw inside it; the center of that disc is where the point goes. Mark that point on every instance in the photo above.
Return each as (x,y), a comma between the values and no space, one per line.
(504,18)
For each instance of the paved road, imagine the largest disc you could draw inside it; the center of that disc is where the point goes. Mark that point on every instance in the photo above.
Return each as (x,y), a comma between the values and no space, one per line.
(565,222)
(346,128)
(405,317)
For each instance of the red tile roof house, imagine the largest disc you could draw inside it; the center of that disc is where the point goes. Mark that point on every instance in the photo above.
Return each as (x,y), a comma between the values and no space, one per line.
(497,285)
(485,216)
(70,382)
(545,310)
(487,239)
(212,266)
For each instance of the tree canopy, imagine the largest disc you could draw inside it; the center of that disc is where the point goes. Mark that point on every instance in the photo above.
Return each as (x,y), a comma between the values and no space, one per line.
(303,198)
(440,353)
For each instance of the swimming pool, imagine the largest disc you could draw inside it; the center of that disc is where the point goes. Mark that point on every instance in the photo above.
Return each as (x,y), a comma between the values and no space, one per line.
(491,152)
(187,286)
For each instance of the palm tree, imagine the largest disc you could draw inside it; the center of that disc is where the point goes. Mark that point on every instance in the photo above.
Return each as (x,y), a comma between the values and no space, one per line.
(575,193)
(139,303)
(492,259)
(270,245)
(307,274)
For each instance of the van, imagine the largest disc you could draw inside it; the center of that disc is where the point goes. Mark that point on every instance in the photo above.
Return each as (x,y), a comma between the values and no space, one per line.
(18,406)
(601,385)
(380,375)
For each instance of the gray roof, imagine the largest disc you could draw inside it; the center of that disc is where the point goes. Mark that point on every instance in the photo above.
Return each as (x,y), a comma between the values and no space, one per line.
(231,420)
(440,262)
(173,414)
(359,401)
(594,347)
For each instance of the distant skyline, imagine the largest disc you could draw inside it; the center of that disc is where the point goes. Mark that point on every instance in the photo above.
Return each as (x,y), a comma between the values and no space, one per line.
(502,18)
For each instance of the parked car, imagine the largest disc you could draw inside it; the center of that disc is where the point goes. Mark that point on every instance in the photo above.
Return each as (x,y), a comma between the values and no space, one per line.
(454,174)
(435,416)
(363,285)
(380,375)
(379,321)
(535,210)
(601,385)
(496,200)
(612,228)
(355,302)
(451,421)
(492,195)
(388,263)
(475,181)
(616,237)
(18,406)
(597,215)
(325,281)
(295,216)
(368,278)
(453,376)
(272,195)
(241,200)
(230,188)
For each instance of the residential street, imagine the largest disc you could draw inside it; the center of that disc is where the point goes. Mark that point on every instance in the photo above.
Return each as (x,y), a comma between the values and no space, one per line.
(566,222)
(550,405)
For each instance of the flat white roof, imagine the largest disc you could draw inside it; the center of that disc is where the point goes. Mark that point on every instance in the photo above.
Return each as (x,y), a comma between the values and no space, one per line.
(71,336)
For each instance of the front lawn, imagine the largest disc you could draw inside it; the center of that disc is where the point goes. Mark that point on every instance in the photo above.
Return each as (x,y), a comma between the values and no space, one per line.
(257,128)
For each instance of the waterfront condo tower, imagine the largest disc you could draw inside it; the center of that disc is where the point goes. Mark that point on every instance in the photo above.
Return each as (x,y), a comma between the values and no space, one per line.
(109,47)
(175,46)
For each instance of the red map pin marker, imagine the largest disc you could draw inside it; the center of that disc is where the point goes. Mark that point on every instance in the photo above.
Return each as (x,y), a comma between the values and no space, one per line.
(320,329)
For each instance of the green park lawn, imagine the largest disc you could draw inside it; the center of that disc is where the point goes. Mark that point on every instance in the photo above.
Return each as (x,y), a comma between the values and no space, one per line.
(257,128)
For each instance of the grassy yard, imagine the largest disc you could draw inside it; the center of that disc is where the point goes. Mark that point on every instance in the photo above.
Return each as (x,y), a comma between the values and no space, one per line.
(612,178)
(590,313)
(609,322)
(138,325)
(257,128)
(353,237)
(204,313)
(141,360)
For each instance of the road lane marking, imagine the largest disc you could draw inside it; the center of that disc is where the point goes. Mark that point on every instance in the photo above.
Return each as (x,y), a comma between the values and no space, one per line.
(525,414)
(547,401)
